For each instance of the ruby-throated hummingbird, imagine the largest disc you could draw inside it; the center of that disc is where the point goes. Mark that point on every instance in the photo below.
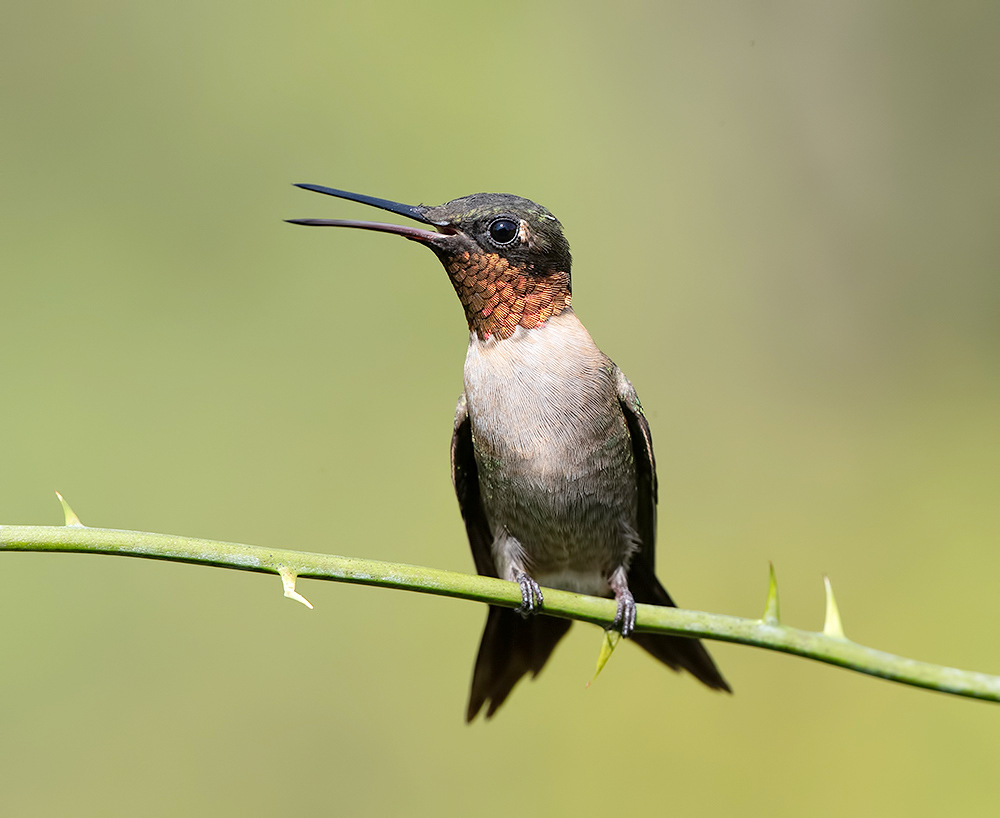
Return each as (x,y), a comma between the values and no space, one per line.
(551,455)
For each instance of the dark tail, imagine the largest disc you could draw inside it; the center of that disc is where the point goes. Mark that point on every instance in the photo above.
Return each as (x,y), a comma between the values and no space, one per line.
(676,652)
(512,646)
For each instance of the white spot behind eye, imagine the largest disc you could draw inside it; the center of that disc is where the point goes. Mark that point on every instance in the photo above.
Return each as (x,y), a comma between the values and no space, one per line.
(524,234)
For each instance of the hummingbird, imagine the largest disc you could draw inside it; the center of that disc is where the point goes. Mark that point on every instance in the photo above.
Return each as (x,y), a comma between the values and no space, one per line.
(551,454)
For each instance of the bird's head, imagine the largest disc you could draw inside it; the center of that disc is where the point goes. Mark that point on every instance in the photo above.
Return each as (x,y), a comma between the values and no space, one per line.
(507,257)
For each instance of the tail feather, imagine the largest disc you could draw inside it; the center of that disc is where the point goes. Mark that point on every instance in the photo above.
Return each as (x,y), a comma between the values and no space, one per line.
(677,652)
(511,647)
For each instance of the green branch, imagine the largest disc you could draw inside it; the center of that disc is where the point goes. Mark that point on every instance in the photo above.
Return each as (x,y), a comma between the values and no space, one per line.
(830,646)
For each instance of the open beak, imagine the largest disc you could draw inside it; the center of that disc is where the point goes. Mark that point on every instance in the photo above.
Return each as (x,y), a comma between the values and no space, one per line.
(415,212)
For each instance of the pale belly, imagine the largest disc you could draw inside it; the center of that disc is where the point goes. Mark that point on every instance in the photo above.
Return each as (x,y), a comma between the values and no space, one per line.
(554,456)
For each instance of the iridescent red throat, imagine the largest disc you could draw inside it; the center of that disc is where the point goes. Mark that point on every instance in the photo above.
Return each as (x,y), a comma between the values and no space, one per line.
(499,297)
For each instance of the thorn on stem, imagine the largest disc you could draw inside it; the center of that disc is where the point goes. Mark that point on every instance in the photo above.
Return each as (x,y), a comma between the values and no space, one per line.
(772,613)
(288,578)
(608,645)
(69,514)
(832,626)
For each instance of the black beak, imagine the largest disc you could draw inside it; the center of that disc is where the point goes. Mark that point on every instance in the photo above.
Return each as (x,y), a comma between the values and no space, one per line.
(415,212)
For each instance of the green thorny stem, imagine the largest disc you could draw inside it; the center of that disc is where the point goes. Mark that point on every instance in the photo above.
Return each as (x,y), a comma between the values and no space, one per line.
(830,646)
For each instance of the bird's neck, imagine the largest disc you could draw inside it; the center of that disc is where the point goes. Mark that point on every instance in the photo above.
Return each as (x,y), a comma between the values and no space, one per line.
(499,297)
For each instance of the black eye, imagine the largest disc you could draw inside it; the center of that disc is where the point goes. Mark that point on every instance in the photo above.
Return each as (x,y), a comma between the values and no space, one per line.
(503,231)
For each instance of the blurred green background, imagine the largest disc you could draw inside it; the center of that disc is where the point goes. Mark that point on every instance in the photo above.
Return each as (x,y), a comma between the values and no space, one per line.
(784,218)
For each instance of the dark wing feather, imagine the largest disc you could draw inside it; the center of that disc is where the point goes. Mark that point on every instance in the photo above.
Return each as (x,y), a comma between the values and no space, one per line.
(465,476)
(645,468)
(675,651)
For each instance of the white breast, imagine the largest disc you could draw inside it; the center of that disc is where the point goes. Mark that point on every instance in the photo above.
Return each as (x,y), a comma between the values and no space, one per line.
(554,456)
(539,390)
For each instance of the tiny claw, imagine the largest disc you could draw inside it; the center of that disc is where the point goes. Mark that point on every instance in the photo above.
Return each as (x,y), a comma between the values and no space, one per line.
(288,578)
(531,595)
(624,620)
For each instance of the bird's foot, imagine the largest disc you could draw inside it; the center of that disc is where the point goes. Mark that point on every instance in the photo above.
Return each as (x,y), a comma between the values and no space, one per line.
(531,595)
(625,615)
